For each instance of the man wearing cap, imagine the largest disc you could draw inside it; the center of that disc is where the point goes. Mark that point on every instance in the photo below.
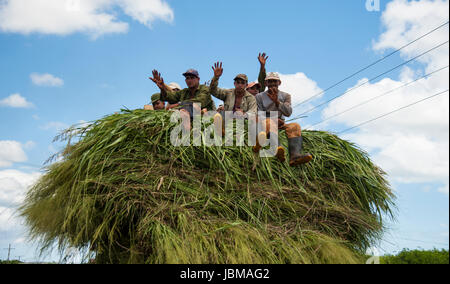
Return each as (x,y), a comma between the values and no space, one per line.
(194,93)
(157,104)
(275,100)
(174,87)
(237,99)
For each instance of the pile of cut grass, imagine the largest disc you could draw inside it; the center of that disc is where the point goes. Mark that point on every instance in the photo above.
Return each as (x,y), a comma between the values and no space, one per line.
(124,193)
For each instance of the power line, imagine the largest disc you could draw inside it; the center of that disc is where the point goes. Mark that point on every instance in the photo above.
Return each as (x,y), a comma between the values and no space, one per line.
(425,242)
(376,77)
(370,65)
(379,96)
(440,93)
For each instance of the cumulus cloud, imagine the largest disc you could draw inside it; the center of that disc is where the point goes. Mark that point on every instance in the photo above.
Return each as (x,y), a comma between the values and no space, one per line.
(54,125)
(15,101)
(46,80)
(13,188)
(411,145)
(300,87)
(11,152)
(14,185)
(93,17)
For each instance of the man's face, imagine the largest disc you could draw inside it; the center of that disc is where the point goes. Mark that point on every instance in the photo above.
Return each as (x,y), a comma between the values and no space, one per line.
(192,81)
(159,105)
(253,90)
(273,85)
(240,85)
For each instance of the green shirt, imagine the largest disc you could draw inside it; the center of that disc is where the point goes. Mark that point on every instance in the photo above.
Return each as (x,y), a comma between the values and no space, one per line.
(202,95)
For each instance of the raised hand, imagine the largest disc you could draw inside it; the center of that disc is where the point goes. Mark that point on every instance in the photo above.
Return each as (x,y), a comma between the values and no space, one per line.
(157,79)
(218,70)
(262,58)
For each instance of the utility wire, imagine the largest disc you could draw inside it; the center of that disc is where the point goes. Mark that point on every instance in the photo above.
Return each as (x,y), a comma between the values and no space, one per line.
(370,65)
(376,77)
(377,97)
(348,129)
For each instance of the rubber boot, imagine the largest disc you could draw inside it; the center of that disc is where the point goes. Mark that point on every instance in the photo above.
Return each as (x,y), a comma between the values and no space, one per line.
(295,148)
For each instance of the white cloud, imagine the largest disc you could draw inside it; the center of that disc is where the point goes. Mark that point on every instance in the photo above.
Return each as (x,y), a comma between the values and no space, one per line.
(7,219)
(301,88)
(46,80)
(54,125)
(412,144)
(11,152)
(93,17)
(16,101)
(14,186)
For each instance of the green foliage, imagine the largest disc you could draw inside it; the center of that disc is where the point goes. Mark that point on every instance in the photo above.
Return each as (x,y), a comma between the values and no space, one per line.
(417,257)
(127,195)
(10,262)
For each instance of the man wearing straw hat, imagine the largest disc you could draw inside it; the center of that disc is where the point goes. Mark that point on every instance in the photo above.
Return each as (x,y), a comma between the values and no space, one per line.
(275,100)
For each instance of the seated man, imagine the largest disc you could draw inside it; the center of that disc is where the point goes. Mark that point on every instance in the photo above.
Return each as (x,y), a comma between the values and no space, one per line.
(194,93)
(276,100)
(155,99)
(157,103)
(253,88)
(237,99)
(175,88)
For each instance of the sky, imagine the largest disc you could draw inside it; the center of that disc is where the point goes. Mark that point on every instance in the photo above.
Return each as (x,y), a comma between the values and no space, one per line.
(65,62)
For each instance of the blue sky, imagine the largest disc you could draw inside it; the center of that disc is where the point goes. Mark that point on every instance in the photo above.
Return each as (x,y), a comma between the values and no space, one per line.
(95,68)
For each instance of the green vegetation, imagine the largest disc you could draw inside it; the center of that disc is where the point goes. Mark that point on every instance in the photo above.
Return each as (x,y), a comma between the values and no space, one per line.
(126,195)
(10,262)
(417,257)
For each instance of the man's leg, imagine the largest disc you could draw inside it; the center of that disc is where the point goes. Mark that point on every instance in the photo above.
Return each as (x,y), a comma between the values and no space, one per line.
(271,131)
(295,141)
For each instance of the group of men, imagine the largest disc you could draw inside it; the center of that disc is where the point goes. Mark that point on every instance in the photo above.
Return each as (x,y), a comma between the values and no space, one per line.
(244,99)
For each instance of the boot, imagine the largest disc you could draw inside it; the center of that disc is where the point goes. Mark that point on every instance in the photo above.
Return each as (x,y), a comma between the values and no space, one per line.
(295,147)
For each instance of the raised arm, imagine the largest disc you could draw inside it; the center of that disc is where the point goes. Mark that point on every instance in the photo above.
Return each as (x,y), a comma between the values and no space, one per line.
(166,93)
(262,58)
(221,94)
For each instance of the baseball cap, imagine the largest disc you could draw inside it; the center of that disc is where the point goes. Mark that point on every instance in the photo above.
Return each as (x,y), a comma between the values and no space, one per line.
(272,76)
(191,72)
(156,97)
(241,76)
(252,84)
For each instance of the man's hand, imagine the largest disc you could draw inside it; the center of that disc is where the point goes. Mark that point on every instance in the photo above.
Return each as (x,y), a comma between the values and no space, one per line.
(273,95)
(262,58)
(218,70)
(157,79)
(170,106)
